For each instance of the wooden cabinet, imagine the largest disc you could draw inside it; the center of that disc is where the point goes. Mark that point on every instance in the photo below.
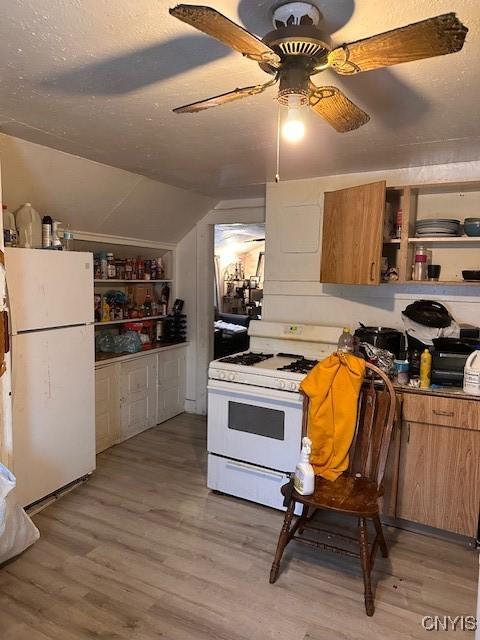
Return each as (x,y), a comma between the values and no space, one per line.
(439,477)
(352,238)
(170,384)
(360,227)
(107,410)
(138,395)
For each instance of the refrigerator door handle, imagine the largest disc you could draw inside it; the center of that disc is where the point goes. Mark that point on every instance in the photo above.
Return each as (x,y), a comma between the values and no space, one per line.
(5,342)
(6,330)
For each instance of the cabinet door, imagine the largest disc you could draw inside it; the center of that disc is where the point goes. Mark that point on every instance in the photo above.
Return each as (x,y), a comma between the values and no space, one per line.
(138,381)
(353,235)
(439,481)
(171,384)
(106,407)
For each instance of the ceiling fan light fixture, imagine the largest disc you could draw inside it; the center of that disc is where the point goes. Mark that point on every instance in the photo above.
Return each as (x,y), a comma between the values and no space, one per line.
(293,129)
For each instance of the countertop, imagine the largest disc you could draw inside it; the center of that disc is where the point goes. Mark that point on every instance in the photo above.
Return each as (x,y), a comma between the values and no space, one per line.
(444,392)
(108,358)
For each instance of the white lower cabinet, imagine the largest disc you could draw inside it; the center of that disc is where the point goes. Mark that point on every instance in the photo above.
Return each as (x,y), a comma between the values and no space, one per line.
(106,406)
(170,384)
(138,393)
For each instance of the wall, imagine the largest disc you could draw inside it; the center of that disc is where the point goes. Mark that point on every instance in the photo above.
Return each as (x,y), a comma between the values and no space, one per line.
(195,279)
(293,233)
(95,197)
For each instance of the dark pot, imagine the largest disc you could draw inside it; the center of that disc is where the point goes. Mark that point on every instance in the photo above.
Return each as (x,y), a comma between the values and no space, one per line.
(381,337)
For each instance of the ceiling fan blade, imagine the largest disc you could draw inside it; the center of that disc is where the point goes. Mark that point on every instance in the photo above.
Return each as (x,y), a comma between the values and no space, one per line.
(224,98)
(433,37)
(333,106)
(222,28)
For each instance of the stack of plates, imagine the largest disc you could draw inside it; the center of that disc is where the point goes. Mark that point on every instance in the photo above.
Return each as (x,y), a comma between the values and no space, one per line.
(437,227)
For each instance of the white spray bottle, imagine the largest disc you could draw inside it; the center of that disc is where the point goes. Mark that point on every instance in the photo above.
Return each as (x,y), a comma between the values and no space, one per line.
(304,476)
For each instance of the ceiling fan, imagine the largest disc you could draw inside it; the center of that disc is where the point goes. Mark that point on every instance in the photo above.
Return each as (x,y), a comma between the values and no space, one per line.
(294,51)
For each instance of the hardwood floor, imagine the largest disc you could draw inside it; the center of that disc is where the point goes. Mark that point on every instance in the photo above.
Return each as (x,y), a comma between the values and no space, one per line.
(144,551)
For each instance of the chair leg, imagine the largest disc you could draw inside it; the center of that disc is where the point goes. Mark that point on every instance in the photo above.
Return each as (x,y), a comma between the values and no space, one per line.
(303,519)
(365,561)
(380,536)
(283,540)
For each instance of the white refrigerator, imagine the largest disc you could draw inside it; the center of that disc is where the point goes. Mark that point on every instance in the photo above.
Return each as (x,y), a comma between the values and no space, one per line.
(50,297)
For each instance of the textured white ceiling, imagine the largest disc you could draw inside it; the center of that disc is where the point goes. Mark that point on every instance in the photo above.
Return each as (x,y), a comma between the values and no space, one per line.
(98,78)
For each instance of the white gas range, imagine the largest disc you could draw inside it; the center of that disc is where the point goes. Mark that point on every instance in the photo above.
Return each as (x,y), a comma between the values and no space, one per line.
(255,409)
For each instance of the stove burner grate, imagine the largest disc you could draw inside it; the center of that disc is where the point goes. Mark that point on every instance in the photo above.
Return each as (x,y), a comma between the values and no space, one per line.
(302,365)
(247,359)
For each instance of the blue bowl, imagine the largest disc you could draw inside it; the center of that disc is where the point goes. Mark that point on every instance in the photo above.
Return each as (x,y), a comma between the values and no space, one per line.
(471,227)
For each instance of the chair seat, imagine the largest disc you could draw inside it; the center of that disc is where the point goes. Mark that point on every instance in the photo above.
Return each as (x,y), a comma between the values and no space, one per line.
(348,494)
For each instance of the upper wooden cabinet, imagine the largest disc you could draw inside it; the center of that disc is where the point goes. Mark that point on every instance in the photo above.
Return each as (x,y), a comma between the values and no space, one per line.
(360,228)
(353,234)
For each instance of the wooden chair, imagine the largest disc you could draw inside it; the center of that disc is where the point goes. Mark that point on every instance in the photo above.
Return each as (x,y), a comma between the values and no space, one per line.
(357,491)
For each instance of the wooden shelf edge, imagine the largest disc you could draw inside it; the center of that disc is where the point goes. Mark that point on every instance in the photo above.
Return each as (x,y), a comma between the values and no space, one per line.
(125,320)
(445,239)
(112,281)
(435,283)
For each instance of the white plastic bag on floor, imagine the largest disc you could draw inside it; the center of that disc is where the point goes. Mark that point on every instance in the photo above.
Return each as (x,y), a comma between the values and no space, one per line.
(17,531)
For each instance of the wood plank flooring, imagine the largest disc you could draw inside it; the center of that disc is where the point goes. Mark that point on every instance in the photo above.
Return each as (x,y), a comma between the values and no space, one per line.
(144,551)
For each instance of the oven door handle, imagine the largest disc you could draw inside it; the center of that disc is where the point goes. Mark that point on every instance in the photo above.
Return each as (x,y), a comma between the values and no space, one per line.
(262,393)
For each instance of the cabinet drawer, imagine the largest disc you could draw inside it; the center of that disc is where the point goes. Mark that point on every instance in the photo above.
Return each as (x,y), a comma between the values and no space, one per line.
(447,412)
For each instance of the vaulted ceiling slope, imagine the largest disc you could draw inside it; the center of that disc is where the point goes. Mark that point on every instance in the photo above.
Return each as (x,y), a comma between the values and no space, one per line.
(95,197)
(99,79)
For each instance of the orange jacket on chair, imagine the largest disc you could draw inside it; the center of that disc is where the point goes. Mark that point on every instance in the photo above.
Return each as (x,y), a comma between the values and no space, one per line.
(333,387)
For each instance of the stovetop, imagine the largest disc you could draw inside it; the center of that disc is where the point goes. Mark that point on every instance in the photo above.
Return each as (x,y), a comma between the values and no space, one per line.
(246,359)
(283,371)
(297,349)
(302,365)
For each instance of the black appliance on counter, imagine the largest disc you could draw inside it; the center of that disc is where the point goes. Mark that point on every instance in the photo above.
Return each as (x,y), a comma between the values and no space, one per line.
(381,337)
(448,359)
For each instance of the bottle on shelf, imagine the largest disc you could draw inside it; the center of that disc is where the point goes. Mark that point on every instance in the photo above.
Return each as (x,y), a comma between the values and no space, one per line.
(56,243)
(103,266)
(9,228)
(111,270)
(147,305)
(67,238)
(420,264)
(398,223)
(47,224)
(345,342)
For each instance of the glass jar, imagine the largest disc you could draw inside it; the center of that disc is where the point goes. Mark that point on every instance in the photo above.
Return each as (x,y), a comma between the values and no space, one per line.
(420,264)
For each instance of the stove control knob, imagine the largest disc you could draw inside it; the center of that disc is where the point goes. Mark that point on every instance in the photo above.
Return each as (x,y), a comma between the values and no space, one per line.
(281,384)
(231,377)
(221,375)
(292,386)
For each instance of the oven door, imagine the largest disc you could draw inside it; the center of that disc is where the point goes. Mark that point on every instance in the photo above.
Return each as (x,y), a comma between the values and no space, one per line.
(256,425)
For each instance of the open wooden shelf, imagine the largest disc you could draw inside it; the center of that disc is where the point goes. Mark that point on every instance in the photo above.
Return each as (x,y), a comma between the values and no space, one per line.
(440,283)
(125,320)
(445,239)
(112,281)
